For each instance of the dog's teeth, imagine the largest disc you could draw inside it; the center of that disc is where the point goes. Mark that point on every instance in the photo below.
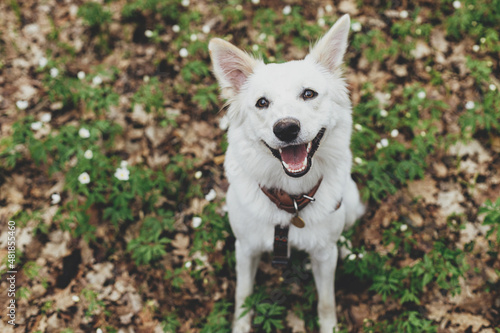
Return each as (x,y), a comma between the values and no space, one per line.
(309,146)
(304,162)
(285,165)
(280,150)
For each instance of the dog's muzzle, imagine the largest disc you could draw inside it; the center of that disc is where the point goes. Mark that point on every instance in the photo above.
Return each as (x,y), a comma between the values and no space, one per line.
(296,159)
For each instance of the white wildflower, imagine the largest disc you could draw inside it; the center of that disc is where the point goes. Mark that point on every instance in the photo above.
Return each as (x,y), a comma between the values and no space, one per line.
(262,36)
(197,221)
(122,174)
(394,133)
(75,298)
(482,40)
(211,195)
(205,29)
(183,52)
(384,113)
(358,160)
(356,26)
(423,133)
(255,2)
(421,94)
(46,117)
(239,8)
(188,264)
(81,75)
(123,164)
(457,4)
(185,3)
(358,127)
(99,330)
(378,145)
(342,239)
(198,174)
(193,37)
(329,8)
(56,198)
(384,142)
(352,256)
(42,62)
(418,31)
(148,33)
(476,48)
(36,125)
(84,133)
(255,47)
(88,154)
(428,69)
(54,72)
(493,87)
(403,14)
(146,78)
(287,10)
(84,178)
(97,80)
(22,105)
(403,227)
(360,255)
(470,105)
(176,28)
(321,22)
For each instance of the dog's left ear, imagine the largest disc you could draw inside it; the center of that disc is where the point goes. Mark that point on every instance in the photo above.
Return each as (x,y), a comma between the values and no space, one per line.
(330,49)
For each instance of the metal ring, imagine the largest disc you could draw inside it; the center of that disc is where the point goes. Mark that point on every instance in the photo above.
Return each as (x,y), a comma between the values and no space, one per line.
(295,206)
(308,197)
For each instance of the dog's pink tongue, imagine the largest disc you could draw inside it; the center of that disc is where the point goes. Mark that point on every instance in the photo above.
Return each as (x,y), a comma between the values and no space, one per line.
(294,156)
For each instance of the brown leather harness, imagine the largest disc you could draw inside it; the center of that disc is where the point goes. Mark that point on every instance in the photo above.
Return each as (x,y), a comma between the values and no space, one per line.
(291,204)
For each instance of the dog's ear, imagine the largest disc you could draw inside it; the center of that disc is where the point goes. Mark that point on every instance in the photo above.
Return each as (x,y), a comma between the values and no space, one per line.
(231,65)
(330,49)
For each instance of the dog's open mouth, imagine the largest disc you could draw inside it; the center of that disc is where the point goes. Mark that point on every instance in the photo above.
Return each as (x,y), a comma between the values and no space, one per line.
(297,159)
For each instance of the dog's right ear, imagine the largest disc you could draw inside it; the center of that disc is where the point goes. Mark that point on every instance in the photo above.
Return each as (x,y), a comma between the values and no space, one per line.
(232,66)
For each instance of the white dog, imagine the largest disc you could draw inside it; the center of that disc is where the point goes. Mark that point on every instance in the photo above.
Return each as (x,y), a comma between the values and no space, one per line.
(288,162)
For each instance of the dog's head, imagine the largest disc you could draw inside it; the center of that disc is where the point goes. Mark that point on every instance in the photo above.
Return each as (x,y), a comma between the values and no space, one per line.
(287,108)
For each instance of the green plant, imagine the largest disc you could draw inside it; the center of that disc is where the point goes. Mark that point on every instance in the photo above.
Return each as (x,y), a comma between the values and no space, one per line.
(94,305)
(409,321)
(94,14)
(150,96)
(170,323)
(491,211)
(217,320)
(150,246)
(268,315)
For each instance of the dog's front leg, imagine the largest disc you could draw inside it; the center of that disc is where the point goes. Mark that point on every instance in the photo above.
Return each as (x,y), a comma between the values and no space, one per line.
(247,261)
(324,264)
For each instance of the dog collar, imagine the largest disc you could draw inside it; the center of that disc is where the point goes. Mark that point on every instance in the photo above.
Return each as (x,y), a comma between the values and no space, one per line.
(290,203)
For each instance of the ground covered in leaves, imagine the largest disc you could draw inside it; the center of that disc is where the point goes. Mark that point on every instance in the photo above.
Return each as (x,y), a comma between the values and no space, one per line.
(112,140)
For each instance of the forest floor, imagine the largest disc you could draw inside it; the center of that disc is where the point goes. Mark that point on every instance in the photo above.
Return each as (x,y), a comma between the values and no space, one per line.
(152,251)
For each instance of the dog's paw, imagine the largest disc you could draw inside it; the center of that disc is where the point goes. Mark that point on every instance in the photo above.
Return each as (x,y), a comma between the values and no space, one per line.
(241,326)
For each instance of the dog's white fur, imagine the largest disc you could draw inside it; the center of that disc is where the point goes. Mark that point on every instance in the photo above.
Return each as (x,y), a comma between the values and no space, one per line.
(250,164)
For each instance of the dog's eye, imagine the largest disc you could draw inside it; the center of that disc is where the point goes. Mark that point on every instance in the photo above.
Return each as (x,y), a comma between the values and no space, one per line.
(309,94)
(262,103)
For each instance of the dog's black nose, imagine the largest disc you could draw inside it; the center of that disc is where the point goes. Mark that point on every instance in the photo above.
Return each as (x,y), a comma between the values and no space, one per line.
(286,129)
